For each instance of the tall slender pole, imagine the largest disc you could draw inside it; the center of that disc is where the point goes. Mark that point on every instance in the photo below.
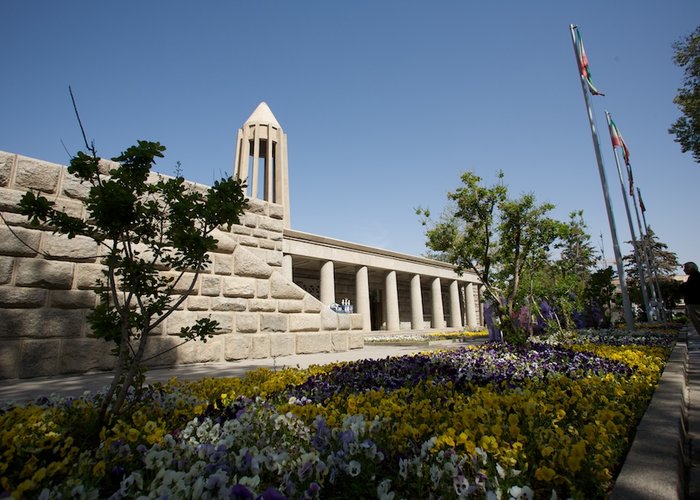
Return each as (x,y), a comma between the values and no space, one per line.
(638,262)
(626,304)
(644,246)
(652,261)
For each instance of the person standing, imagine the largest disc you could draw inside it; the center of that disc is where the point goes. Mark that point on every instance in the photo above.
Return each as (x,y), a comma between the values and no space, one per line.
(691,293)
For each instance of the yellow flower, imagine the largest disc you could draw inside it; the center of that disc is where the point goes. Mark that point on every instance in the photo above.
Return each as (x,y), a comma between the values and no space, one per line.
(132,435)
(99,469)
(39,475)
(139,419)
(560,415)
(489,444)
(544,474)
(24,486)
(576,455)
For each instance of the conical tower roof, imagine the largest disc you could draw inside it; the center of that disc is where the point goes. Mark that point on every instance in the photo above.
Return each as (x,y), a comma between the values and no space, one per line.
(263,114)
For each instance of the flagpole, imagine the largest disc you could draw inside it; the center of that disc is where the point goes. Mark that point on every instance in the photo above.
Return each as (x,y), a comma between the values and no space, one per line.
(626,305)
(650,257)
(654,282)
(640,269)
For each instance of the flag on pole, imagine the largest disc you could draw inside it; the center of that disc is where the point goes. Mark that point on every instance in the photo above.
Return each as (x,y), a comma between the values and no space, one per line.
(583,65)
(619,142)
(630,179)
(641,203)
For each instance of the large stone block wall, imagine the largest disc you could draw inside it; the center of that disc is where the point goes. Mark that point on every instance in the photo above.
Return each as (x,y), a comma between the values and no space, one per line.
(47,288)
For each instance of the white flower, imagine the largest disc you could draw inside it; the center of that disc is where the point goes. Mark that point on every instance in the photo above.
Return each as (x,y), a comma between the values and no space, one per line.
(403,468)
(435,474)
(217,482)
(134,479)
(354,468)
(428,445)
(461,485)
(501,471)
(163,492)
(198,488)
(519,492)
(169,440)
(383,492)
(249,482)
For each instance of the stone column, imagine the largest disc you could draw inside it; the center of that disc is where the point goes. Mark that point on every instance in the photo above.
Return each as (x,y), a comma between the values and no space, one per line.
(269,185)
(287,271)
(392,302)
(455,310)
(362,297)
(256,162)
(327,283)
(470,306)
(416,304)
(438,314)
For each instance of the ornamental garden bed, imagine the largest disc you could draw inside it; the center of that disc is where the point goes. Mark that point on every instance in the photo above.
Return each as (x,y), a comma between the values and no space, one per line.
(496,421)
(427,338)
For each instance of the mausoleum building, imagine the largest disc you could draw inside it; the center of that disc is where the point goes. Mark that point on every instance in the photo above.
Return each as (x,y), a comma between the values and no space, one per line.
(274,290)
(391,291)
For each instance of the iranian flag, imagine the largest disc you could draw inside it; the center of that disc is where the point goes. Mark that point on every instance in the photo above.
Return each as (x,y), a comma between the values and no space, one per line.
(618,142)
(583,65)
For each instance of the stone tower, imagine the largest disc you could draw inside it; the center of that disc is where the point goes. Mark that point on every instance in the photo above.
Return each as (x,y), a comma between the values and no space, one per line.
(261,159)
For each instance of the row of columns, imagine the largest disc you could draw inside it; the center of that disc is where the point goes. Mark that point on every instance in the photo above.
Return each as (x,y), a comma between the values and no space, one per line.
(362,301)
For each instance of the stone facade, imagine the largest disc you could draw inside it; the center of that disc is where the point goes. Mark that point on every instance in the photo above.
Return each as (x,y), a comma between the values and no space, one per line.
(47,288)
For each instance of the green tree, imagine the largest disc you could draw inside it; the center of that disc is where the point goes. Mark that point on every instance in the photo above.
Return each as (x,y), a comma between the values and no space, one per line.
(562,282)
(143,227)
(663,261)
(599,294)
(687,127)
(494,237)
(578,256)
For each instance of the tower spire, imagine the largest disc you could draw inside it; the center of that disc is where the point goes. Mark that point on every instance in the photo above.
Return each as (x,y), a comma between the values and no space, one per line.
(263,114)
(261,159)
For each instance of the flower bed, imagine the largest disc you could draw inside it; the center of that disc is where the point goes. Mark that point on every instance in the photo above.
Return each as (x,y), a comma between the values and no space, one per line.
(424,338)
(485,420)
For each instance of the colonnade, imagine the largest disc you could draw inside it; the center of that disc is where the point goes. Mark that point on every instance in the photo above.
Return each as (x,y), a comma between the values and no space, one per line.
(460,293)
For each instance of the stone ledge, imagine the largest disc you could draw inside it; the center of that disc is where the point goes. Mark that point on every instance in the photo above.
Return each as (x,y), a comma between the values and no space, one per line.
(656,464)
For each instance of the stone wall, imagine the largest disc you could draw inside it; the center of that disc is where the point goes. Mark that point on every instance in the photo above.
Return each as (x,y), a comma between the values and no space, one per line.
(47,288)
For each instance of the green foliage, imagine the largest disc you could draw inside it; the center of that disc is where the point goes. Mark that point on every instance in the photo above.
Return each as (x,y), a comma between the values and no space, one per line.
(687,127)
(600,293)
(562,281)
(505,241)
(662,260)
(143,228)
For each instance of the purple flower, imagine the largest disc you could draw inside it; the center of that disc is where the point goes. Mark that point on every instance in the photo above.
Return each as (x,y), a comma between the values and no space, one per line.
(271,494)
(214,482)
(240,492)
(312,491)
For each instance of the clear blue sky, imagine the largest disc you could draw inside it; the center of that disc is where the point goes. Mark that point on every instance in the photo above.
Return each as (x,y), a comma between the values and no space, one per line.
(385,103)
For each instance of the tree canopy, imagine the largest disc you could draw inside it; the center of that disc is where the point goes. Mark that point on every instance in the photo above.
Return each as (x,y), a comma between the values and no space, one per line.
(507,243)
(664,264)
(687,127)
